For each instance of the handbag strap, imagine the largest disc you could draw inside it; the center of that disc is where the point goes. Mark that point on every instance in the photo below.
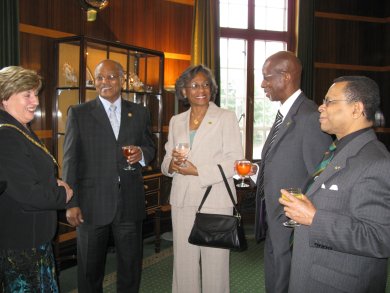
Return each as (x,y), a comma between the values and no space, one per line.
(227,187)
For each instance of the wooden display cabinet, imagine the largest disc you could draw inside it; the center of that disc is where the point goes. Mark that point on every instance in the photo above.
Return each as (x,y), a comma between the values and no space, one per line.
(76,59)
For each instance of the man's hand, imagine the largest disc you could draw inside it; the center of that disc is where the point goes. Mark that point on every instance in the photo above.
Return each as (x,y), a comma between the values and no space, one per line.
(300,210)
(74,216)
(135,154)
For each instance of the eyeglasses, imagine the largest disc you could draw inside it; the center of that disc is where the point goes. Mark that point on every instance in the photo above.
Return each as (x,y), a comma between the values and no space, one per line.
(267,77)
(110,77)
(327,102)
(195,86)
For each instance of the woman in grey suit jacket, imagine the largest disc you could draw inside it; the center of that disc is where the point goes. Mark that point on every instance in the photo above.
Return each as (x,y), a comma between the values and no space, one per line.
(214,138)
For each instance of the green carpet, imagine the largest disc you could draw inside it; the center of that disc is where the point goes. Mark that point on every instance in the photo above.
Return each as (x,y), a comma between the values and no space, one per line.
(246,271)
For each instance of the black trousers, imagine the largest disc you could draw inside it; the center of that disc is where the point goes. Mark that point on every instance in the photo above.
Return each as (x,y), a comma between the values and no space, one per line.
(92,242)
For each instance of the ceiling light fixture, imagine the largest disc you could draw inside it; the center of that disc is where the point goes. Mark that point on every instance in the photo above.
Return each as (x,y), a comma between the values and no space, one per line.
(92,7)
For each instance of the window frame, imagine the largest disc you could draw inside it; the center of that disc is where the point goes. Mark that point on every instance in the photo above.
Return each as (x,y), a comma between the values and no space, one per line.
(251,35)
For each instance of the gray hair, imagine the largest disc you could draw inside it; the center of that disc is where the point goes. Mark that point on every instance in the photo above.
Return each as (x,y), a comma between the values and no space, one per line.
(189,74)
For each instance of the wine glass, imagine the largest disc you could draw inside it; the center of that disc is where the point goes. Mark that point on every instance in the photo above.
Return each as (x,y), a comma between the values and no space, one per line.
(183,148)
(297,192)
(243,168)
(127,152)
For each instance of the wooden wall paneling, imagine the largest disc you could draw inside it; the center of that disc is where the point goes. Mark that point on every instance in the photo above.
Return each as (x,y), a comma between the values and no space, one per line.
(155,24)
(37,53)
(349,42)
(173,69)
(325,77)
(174,27)
(357,7)
(352,38)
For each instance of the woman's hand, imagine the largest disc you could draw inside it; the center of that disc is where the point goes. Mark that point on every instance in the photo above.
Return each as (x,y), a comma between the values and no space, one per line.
(188,169)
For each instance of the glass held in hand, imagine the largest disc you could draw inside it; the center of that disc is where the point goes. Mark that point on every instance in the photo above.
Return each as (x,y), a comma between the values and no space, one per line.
(183,148)
(127,151)
(243,168)
(297,192)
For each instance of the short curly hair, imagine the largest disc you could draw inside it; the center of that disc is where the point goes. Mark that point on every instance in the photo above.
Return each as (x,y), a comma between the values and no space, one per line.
(189,74)
(362,89)
(16,79)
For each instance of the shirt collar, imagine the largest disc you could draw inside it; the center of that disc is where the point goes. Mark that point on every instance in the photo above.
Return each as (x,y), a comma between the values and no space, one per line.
(341,143)
(106,104)
(286,106)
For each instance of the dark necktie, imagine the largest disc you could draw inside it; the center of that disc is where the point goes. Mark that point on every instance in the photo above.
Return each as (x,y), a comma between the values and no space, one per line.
(328,156)
(275,129)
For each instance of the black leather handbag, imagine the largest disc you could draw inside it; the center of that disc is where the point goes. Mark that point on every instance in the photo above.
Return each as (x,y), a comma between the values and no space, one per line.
(219,231)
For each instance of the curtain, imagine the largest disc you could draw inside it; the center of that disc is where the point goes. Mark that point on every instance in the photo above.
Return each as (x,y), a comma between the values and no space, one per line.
(9,47)
(205,37)
(306,46)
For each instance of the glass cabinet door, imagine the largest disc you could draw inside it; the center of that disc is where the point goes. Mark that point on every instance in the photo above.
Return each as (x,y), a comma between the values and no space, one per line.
(77,58)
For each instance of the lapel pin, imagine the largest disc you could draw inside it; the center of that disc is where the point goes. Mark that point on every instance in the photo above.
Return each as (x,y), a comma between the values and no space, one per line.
(129,114)
(337,167)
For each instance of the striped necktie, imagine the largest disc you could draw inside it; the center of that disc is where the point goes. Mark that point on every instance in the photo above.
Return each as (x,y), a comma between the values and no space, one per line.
(275,129)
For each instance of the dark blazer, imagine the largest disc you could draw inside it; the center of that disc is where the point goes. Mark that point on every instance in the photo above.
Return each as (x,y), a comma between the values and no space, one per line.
(293,156)
(3,186)
(28,216)
(93,161)
(346,249)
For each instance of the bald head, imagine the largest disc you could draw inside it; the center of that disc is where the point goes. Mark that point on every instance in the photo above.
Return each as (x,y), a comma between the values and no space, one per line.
(282,76)
(285,61)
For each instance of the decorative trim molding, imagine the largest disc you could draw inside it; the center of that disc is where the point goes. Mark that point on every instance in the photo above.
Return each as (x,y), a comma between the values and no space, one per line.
(40,31)
(45,32)
(177,56)
(351,17)
(352,67)
(185,2)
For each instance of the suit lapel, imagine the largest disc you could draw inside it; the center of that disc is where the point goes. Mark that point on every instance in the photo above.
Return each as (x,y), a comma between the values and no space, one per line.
(339,162)
(208,123)
(287,123)
(127,119)
(101,117)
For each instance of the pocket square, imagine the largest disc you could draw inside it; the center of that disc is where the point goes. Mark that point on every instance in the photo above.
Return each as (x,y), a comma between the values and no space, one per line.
(323,186)
(334,187)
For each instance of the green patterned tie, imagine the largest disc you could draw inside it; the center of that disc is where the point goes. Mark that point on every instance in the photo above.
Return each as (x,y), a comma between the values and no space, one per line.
(328,156)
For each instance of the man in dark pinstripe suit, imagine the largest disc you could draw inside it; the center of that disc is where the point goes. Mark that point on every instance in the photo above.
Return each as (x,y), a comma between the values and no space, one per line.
(107,197)
(343,243)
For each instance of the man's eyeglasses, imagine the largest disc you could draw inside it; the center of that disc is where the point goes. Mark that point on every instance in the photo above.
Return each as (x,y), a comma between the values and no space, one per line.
(195,86)
(327,102)
(110,77)
(268,76)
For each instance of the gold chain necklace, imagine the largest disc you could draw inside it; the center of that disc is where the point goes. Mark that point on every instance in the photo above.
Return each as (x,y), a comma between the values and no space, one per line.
(199,119)
(41,146)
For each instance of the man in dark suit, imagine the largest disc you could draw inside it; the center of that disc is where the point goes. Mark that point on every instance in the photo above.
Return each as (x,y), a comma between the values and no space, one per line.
(107,197)
(343,243)
(287,159)
(3,186)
